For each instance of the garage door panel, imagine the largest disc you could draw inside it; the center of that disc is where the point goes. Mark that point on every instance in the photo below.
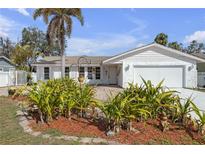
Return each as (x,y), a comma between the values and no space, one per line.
(172,76)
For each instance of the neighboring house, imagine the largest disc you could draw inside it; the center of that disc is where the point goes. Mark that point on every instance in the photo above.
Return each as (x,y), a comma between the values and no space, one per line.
(6,65)
(201,69)
(6,71)
(152,62)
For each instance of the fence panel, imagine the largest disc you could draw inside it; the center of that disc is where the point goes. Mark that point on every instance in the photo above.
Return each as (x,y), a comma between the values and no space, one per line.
(13,78)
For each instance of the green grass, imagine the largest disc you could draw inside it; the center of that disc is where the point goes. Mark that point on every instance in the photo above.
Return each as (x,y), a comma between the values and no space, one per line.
(53,132)
(12,133)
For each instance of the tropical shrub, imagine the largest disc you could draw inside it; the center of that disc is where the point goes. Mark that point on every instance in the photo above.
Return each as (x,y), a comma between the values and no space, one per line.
(83,97)
(121,110)
(155,98)
(52,97)
(183,110)
(201,118)
(40,95)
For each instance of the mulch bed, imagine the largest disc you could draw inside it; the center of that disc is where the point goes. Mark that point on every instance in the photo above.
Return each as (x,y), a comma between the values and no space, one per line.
(149,131)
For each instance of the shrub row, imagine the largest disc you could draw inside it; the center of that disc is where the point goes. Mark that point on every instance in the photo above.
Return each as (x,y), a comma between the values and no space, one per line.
(137,102)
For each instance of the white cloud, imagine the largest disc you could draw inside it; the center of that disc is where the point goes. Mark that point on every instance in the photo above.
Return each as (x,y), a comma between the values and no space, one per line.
(22,11)
(139,25)
(199,36)
(6,25)
(100,45)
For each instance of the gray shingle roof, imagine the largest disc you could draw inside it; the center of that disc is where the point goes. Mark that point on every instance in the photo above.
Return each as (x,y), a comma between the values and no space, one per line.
(73,60)
(200,55)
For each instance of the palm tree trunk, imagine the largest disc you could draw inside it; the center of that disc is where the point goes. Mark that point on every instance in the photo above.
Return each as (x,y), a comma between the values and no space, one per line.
(62,65)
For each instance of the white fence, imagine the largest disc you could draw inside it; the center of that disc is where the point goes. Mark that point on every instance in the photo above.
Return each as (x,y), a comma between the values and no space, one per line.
(13,78)
(201,79)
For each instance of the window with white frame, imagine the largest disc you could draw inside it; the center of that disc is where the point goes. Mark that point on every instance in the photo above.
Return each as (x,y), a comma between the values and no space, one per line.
(1,69)
(90,73)
(46,73)
(82,71)
(67,71)
(97,73)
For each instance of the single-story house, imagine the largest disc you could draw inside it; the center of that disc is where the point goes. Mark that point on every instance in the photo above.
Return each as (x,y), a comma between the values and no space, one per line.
(6,71)
(152,62)
(201,70)
(6,65)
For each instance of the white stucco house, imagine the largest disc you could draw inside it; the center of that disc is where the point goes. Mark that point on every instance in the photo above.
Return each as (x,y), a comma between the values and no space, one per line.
(152,62)
(201,70)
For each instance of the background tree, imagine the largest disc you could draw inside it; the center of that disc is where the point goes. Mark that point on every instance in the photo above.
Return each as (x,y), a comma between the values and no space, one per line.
(175,45)
(195,47)
(6,47)
(21,56)
(162,39)
(59,25)
(36,39)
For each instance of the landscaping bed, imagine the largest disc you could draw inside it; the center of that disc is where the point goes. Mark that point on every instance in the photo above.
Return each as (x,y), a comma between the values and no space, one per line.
(140,114)
(147,132)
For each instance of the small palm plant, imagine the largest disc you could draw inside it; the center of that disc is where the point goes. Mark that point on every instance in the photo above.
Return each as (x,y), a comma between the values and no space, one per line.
(68,103)
(84,97)
(183,110)
(201,118)
(40,96)
(113,111)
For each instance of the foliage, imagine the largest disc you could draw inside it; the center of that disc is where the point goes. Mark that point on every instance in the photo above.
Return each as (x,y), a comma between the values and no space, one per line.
(201,118)
(36,39)
(162,39)
(194,47)
(84,98)
(175,45)
(6,47)
(59,97)
(183,110)
(60,24)
(21,55)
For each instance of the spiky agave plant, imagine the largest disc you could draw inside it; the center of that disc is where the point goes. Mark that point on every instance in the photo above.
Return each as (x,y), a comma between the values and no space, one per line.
(201,118)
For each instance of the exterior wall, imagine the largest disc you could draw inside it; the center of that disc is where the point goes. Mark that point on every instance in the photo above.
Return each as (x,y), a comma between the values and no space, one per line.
(73,73)
(5,65)
(157,59)
(201,79)
(119,75)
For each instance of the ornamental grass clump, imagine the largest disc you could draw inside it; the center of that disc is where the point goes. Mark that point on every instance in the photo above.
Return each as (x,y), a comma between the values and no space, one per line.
(61,97)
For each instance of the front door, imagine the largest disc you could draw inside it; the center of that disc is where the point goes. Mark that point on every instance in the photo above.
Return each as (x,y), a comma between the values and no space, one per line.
(112,76)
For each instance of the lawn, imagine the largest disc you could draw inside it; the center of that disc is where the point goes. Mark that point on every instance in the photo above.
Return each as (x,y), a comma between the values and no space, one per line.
(12,133)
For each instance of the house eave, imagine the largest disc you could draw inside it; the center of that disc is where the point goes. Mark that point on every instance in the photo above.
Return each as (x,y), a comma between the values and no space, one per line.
(197,59)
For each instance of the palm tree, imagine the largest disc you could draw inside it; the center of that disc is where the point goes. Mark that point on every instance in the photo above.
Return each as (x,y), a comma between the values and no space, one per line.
(59,23)
(162,39)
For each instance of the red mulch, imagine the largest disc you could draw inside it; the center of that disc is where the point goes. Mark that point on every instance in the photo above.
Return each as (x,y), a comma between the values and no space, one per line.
(149,131)
(18,98)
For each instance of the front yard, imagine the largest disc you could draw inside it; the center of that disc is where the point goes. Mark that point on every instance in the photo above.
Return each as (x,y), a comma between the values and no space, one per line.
(12,133)
(64,112)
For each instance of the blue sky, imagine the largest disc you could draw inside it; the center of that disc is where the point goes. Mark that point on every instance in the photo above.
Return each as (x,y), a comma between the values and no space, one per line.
(111,31)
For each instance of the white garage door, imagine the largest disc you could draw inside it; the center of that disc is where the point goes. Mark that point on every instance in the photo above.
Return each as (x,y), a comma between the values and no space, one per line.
(173,76)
